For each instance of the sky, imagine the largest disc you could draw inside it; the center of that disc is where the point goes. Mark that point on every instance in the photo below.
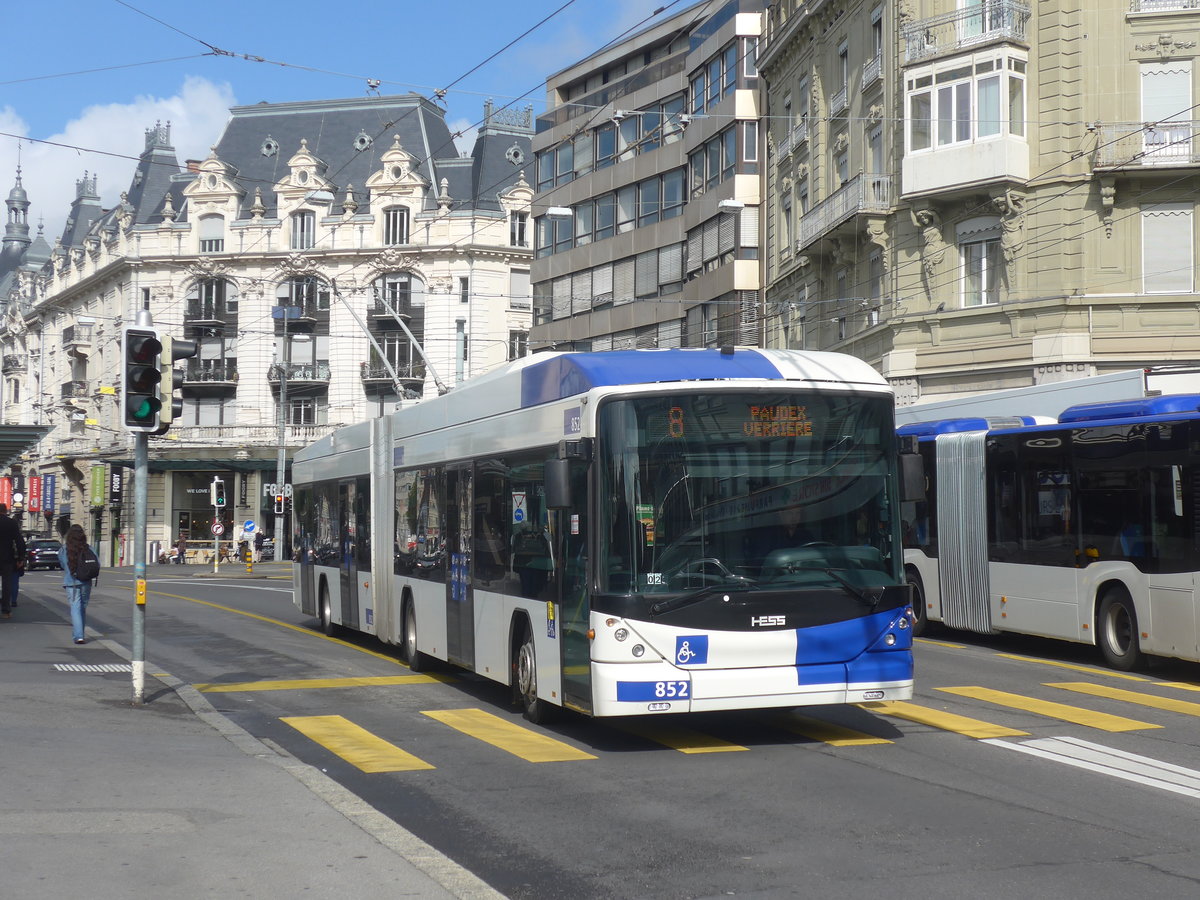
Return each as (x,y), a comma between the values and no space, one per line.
(95,74)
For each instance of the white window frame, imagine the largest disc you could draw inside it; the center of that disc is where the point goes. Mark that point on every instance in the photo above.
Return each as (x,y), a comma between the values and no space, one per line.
(395,226)
(304,229)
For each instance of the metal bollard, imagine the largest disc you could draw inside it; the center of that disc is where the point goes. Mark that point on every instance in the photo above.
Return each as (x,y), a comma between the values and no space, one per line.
(249,561)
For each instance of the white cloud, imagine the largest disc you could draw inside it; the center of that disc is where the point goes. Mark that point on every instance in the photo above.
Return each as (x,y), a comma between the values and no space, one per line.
(197,113)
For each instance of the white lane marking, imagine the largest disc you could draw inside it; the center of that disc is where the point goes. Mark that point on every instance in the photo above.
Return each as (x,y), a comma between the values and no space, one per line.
(152,583)
(1109,761)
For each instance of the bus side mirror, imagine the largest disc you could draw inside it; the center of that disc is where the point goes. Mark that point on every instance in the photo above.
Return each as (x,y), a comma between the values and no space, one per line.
(912,477)
(556,475)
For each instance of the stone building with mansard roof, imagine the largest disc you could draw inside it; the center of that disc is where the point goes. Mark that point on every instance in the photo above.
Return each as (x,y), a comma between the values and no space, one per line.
(295,255)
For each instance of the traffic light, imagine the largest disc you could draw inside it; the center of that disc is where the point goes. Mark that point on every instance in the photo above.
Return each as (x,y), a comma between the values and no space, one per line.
(142,380)
(218,493)
(279,504)
(173,349)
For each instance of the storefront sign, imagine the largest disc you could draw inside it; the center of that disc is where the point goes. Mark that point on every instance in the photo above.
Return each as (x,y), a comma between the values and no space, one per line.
(98,477)
(49,486)
(35,493)
(6,491)
(116,485)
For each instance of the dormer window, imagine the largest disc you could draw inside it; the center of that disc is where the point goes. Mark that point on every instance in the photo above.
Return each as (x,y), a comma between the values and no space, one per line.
(395,225)
(304,229)
(212,234)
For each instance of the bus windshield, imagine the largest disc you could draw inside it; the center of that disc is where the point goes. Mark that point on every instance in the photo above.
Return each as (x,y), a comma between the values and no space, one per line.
(747,491)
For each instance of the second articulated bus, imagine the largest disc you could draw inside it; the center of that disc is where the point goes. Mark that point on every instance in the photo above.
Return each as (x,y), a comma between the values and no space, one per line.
(1086,530)
(625,532)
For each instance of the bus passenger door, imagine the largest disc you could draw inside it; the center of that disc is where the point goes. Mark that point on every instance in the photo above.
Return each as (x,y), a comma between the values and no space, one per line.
(348,553)
(574,611)
(460,598)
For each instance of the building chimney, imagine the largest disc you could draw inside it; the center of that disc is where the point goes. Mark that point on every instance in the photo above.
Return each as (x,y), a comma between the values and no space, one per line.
(193,165)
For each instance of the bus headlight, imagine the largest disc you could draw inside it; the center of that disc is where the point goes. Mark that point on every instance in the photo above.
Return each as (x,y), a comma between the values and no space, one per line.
(889,639)
(621,633)
(638,650)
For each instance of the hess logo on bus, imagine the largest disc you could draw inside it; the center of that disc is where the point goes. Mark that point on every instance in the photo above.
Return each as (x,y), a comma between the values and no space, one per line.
(767,621)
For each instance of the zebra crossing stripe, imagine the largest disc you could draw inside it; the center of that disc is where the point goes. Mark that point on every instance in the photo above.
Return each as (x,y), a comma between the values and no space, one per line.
(356,745)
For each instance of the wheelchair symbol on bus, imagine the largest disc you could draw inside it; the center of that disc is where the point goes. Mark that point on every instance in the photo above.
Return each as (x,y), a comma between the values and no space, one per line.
(691,649)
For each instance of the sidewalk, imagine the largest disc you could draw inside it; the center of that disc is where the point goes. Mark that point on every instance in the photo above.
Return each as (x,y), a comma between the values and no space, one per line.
(102,799)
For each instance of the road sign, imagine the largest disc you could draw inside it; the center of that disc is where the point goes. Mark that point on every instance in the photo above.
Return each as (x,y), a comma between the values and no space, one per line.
(218,529)
(248,526)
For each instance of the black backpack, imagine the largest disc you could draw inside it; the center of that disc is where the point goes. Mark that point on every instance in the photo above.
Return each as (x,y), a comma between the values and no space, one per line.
(89,565)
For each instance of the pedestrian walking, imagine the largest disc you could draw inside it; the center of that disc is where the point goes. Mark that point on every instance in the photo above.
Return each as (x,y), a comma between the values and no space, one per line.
(81,570)
(12,553)
(259,538)
(181,549)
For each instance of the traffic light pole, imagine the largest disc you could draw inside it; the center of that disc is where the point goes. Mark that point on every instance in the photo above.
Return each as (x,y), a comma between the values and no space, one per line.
(141,466)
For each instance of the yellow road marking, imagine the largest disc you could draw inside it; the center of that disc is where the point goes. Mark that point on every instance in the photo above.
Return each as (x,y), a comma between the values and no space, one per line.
(1062,711)
(356,745)
(682,739)
(1180,685)
(938,643)
(270,621)
(1090,670)
(828,732)
(947,721)
(1099,690)
(501,733)
(300,684)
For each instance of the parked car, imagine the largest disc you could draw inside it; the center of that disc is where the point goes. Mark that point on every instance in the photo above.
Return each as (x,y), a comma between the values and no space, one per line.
(42,555)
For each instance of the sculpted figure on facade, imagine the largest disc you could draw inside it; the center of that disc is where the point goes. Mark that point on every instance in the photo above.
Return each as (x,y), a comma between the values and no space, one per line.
(933,247)
(1011,206)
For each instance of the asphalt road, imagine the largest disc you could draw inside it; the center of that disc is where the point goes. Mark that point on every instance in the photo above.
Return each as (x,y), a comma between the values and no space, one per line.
(1062,778)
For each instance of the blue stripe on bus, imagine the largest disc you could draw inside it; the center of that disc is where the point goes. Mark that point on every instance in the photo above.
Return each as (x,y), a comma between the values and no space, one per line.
(834,653)
(576,373)
(1129,409)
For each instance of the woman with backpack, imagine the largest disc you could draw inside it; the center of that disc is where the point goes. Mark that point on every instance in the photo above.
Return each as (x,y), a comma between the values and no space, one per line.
(80,568)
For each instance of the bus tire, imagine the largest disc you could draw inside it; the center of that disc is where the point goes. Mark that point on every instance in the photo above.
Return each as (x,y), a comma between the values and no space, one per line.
(1117,630)
(524,666)
(920,612)
(325,610)
(416,660)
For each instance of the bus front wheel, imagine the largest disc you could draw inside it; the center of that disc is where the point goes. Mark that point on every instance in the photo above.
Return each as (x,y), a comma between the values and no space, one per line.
(325,611)
(920,612)
(525,681)
(417,661)
(1118,631)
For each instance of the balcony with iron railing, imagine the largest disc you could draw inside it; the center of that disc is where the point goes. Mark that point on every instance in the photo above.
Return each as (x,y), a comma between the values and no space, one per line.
(77,338)
(13,363)
(299,374)
(375,375)
(861,194)
(1147,145)
(791,140)
(872,70)
(74,390)
(988,22)
(1155,6)
(200,312)
(838,101)
(213,372)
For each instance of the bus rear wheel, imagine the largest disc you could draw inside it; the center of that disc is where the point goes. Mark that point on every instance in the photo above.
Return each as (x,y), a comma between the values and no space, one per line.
(417,661)
(525,681)
(1118,631)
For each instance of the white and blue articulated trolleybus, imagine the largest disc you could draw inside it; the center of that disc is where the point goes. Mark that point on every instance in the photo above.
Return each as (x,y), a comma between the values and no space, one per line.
(1084,529)
(625,532)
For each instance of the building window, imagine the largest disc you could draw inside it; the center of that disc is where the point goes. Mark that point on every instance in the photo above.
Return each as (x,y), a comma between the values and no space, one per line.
(212,234)
(971,101)
(395,225)
(518,344)
(518,227)
(1167,248)
(302,411)
(750,56)
(981,261)
(606,146)
(750,142)
(464,290)
(304,230)
(786,227)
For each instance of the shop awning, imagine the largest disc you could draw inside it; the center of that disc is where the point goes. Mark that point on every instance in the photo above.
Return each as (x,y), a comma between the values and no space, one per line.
(16,439)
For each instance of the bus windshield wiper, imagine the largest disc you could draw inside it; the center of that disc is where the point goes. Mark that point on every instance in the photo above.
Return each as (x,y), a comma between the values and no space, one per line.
(853,590)
(699,594)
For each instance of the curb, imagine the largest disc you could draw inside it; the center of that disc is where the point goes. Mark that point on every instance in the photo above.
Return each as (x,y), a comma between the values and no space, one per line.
(458,881)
